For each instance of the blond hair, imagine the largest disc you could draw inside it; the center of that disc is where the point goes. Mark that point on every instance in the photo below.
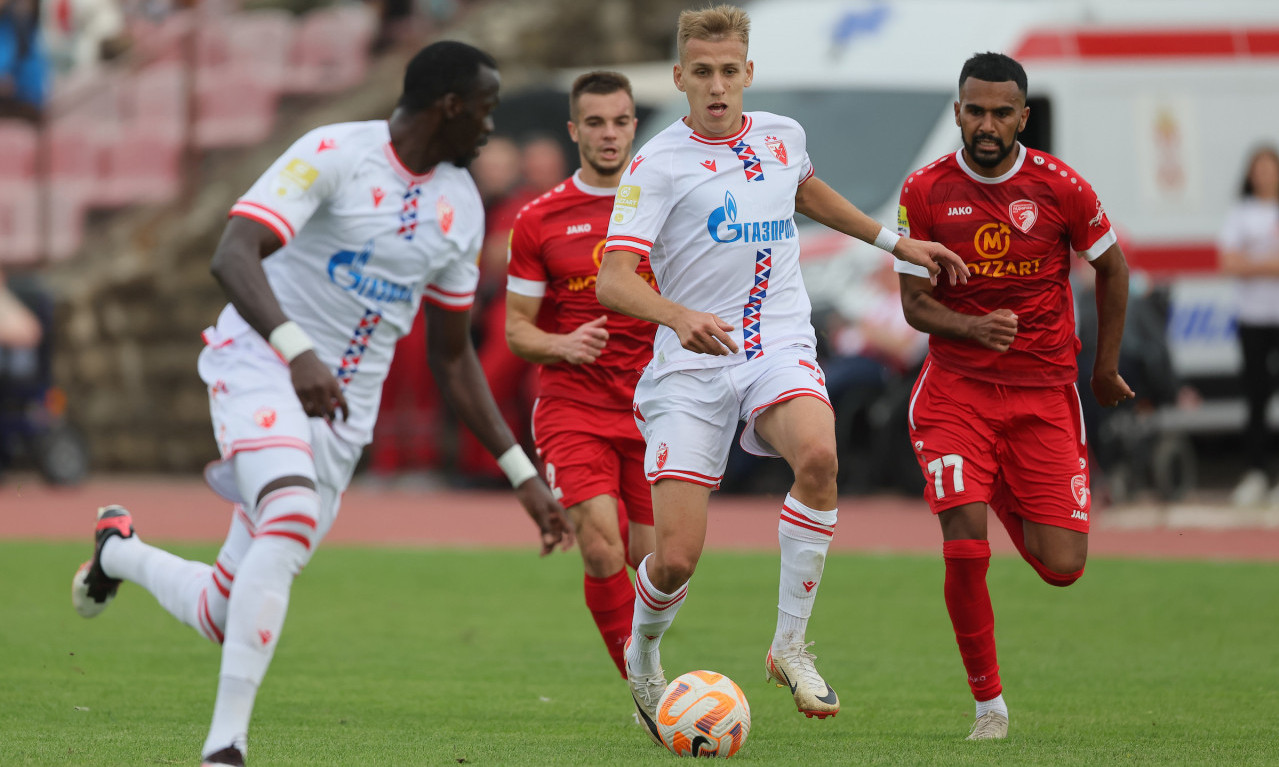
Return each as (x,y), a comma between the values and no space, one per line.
(713,24)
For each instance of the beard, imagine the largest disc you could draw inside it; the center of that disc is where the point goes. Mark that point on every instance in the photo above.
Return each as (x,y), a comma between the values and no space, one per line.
(607,170)
(985,158)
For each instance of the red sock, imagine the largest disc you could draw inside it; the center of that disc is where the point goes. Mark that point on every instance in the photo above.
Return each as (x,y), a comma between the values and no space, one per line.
(611,601)
(968,602)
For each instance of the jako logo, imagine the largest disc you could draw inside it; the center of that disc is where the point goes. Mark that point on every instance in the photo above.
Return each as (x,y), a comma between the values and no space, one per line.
(346,270)
(579,229)
(723,227)
(960,210)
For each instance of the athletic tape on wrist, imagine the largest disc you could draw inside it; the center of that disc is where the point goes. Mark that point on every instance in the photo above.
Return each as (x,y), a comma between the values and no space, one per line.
(290,340)
(886,240)
(517,466)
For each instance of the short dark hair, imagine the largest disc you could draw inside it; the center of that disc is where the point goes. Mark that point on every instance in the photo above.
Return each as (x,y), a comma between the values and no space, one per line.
(441,68)
(994,68)
(600,83)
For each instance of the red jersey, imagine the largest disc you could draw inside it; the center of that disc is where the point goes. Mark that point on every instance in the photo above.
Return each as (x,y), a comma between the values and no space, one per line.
(556,244)
(1015,233)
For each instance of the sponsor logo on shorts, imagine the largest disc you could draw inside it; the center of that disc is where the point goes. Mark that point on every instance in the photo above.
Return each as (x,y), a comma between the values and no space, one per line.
(1079,514)
(919,446)
(903,221)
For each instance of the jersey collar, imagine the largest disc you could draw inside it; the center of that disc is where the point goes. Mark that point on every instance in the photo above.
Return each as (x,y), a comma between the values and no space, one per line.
(746,126)
(585,188)
(401,170)
(1021,158)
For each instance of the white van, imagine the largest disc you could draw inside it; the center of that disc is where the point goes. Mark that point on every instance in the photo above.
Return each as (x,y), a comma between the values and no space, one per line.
(1156,102)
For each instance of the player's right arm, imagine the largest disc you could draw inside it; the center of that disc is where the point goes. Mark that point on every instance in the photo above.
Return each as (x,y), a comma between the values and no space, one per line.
(995,330)
(262,221)
(620,288)
(528,341)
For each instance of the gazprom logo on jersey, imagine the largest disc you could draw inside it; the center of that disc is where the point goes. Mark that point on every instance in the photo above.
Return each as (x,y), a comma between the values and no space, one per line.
(723,226)
(346,270)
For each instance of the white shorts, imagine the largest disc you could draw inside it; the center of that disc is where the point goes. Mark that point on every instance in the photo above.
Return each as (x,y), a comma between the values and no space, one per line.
(254,406)
(688,417)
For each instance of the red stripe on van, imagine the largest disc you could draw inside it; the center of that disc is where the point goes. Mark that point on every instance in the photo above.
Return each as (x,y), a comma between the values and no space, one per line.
(1171,258)
(1144,44)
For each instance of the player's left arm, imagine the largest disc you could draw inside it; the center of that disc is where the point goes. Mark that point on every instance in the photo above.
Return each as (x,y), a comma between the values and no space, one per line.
(460,378)
(1112,305)
(817,200)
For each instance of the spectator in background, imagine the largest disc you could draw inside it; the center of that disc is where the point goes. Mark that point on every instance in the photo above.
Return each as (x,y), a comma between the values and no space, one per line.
(24,63)
(1249,250)
(80,34)
(19,327)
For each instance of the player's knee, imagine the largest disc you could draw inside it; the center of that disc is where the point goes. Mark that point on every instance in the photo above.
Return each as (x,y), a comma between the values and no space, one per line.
(1061,570)
(672,570)
(602,556)
(816,465)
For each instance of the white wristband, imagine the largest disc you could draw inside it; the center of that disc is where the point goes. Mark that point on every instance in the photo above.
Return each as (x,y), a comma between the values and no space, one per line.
(290,340)
(517,466)
(886,240)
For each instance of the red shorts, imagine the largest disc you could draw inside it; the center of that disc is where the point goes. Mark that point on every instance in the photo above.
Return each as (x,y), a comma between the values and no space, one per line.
(592,451)
(1021,449)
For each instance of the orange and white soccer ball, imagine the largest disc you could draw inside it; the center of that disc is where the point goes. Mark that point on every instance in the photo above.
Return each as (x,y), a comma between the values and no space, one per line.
(703,713)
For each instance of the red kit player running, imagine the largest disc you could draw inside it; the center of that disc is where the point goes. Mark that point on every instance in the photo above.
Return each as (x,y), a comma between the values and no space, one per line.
(995,416)
(590,356)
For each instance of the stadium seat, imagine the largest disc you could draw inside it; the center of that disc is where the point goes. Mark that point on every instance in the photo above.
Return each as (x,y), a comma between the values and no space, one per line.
(21,144)
(331,52)
(19,220)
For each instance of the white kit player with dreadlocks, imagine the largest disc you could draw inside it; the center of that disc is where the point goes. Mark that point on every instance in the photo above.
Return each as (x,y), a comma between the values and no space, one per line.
(325,260)
(711,201)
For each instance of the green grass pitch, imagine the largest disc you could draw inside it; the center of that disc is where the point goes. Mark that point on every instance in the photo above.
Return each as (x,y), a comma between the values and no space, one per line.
(432,657)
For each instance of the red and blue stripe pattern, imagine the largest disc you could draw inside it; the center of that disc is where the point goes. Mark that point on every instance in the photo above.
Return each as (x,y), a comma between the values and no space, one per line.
(355,349)
(753,340)
(750,162)
(408,212)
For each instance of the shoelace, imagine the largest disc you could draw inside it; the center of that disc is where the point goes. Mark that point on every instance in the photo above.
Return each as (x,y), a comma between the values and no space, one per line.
(651,687)
(801,662)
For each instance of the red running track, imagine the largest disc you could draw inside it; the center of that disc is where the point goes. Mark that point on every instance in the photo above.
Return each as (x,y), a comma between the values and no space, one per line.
(169,509)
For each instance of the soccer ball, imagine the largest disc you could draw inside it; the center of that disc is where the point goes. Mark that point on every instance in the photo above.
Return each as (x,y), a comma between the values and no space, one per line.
(703,713)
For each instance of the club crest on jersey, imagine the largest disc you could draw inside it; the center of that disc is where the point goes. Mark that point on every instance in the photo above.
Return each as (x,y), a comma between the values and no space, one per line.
(378,196)
(1024,214)
(777,147)
(625,203)
(444,214)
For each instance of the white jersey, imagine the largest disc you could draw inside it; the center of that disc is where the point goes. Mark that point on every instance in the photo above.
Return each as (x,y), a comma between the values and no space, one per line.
(716,217)
(365,239)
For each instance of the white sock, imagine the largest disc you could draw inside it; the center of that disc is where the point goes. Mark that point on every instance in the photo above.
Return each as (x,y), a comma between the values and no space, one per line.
(231,713)
(994,704)
(804,536)
(258,605)
(654,613)
(173,581)
(214,597)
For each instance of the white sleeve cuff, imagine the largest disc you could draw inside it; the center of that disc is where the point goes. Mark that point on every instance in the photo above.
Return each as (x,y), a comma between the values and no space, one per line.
(523,287)
(1102,244)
